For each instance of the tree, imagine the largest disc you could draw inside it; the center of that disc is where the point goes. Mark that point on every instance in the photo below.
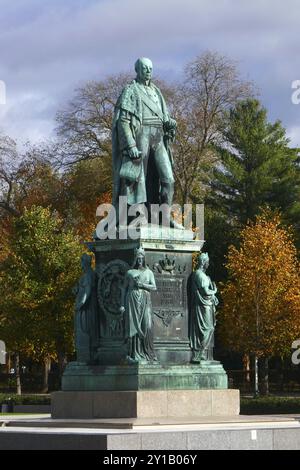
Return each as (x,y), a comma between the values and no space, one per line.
(261,300)
(26,178)
(86,185)
(257,166)
(211,86)
(84,126)
(219,234)
(36,281)
(31,178)
(10,168)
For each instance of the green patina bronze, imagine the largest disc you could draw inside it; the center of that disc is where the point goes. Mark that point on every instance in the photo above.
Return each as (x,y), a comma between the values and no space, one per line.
(203,312)
(86,313)
(144,319)
(142,131)
(136,303)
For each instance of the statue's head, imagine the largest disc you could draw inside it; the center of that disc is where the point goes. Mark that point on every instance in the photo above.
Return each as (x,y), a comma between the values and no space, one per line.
(86,261)
(143,68)
(139,258)
(203,260)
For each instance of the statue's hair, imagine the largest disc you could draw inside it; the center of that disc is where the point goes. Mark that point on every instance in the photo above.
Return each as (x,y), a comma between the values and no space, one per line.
(137,252)
(138,63)
(203,258)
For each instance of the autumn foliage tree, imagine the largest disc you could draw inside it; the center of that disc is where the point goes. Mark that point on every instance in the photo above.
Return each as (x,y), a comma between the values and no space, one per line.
(261,300)
(36,280)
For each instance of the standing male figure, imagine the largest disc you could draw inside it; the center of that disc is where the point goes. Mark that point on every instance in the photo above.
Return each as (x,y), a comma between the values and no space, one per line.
(142,129)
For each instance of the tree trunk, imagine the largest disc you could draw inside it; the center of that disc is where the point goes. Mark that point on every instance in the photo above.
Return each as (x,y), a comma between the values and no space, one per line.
(265,376)
(61,363)
(18,374)
(281,375)
(256,390)
(8,363)
(246,366)
(185,197)
(47,367)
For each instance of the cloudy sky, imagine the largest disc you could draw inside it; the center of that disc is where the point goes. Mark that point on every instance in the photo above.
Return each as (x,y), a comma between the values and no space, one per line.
(49,47)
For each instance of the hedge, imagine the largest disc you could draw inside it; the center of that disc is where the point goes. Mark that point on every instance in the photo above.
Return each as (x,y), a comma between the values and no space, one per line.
(249,406)
(270,405)
(24,399)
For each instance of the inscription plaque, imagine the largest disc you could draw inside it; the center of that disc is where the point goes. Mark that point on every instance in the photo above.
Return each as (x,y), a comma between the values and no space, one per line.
(169,304)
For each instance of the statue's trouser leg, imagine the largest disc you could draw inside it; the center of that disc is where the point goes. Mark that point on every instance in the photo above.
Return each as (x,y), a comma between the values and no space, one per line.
(164,169)
(166,179)
(165,172)
(150,139)
(166,193)
(143,142)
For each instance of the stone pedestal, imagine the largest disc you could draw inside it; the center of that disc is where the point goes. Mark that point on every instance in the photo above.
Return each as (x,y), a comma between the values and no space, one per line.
(169,255)
(145,404)
(81,377)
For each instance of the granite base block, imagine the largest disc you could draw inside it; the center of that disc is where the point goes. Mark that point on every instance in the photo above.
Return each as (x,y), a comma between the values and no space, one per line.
(144,404)
(226,438)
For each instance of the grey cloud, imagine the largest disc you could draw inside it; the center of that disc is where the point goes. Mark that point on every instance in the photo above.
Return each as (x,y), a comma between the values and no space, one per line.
(48,47)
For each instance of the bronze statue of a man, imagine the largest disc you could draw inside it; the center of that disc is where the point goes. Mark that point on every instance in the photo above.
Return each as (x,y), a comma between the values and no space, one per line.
(142,130)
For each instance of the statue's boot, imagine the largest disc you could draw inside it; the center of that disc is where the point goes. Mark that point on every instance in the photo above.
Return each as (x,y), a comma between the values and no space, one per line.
(166,193)
(175,224)
(166,197)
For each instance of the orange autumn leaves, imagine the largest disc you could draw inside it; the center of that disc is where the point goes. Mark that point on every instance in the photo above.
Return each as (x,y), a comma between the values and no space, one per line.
(261,300)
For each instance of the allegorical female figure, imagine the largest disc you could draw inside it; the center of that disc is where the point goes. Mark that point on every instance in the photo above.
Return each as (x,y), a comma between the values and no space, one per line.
(203,312)
(136,302)
(86,313)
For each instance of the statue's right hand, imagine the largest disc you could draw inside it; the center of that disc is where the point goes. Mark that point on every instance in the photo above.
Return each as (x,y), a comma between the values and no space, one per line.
(122,309)
(134,153)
